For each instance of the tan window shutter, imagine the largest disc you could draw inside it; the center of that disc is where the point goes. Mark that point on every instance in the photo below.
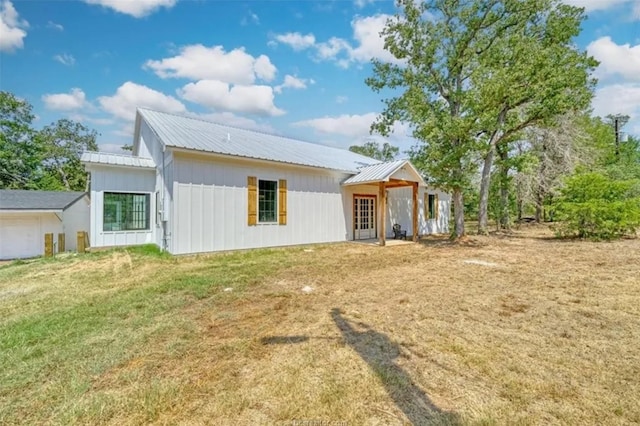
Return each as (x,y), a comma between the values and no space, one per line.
(282,202)
(436,206)
(252,185)
(426,206)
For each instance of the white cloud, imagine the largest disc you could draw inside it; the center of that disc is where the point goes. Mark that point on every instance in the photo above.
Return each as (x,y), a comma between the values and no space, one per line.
(354,126)
(292,82)
(346,125)
(65,59)
(367,44)
(12,28)
(296,41)
(366,31)
(130,96)
(198,62)
(219,95)
(591,5)
(135,8)
(73,100)
(54,26)
(264,69)
(615,59)
(341,99)
(251,18)
(618,99)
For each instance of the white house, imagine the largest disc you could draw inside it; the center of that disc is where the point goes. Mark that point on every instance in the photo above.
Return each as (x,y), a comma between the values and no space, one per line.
(25,216)
(194,186)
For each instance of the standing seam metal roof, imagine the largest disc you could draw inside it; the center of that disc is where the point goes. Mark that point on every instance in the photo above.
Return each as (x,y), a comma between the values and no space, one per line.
(199,135)
(17,199)
(110,159)
(379,172)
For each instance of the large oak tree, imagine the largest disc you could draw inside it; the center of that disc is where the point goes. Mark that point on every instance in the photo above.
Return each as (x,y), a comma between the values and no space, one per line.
(472,74)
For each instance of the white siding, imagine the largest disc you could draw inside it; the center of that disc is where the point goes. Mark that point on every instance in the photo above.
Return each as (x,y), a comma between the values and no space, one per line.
(151,146)
(400,211)
(76,218)
(120,179)
(32,228)
(211,205)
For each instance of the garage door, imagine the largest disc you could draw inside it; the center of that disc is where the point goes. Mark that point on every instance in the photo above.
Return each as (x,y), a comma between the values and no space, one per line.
(20,238)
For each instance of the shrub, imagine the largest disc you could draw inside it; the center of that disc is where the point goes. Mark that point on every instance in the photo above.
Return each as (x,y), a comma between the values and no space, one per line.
(594,206)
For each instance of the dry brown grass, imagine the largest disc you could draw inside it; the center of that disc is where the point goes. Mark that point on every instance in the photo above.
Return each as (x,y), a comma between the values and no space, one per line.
(532,331)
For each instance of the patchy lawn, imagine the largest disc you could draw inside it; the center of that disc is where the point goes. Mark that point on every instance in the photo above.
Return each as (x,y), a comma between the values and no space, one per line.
(522,329)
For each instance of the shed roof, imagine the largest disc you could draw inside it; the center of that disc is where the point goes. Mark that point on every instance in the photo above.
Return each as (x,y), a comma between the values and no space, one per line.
(14,199)
(109,159)
(200,135)
(384,172)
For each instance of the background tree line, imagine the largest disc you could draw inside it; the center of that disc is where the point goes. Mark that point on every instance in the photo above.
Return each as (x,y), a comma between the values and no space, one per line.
(498,97)
(46,159)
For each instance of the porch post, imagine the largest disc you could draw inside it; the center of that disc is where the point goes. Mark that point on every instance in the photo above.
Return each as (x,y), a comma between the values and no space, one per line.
(382,208)
(415,211)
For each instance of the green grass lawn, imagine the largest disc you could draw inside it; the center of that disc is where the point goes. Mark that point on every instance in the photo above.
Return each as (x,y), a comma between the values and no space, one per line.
(520,329)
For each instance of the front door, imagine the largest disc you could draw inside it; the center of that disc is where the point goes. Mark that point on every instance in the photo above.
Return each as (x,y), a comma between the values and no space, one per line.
(364,218)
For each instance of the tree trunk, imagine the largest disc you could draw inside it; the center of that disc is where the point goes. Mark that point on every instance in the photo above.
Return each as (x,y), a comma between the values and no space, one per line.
(458,210)
(539,209)
(483,215)
(505,220)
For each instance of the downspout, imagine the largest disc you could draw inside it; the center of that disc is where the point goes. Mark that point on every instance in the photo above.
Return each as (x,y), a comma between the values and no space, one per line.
(164,204)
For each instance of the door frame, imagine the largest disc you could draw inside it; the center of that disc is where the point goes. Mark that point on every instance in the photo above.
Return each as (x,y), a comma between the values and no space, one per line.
(374,216)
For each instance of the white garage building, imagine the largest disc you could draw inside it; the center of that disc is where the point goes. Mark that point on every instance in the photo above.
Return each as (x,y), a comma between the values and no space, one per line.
(25,216)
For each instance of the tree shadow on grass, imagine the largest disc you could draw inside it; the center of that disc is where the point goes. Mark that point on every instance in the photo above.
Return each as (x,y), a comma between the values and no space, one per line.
(379,352)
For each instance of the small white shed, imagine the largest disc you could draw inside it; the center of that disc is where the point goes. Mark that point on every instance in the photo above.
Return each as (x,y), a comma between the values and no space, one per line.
(25,216)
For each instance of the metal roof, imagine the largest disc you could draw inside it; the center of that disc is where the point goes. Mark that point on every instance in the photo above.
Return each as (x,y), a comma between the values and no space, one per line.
(14,199)
(109,159)
(199,135)
(381,173)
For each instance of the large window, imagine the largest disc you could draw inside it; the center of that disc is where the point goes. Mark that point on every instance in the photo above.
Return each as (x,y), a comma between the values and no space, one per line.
(267,204)
(125,212)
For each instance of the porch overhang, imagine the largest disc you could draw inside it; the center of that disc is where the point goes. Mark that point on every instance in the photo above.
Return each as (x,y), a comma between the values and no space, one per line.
(393,174)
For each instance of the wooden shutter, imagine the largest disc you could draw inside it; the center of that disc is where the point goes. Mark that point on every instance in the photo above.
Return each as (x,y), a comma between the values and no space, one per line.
(426,206)
(252,186)
(436,207)
(282,202)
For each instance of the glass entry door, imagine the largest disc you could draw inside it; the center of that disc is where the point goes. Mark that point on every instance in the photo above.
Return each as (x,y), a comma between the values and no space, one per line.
(364,217)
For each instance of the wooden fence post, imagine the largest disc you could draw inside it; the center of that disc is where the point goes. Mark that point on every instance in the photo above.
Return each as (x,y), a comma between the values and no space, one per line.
(81,241)
(61,246)
(48,245)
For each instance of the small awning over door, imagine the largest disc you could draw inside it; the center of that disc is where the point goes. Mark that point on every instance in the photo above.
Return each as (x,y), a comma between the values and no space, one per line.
(392,174)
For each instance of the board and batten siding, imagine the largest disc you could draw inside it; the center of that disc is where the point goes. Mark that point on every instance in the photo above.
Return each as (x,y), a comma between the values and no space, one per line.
(120,179)
(149,146)
(76,218)
(210,205)
(400,211)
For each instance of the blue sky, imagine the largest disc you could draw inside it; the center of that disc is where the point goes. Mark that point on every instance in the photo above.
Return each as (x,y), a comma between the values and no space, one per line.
(295,68)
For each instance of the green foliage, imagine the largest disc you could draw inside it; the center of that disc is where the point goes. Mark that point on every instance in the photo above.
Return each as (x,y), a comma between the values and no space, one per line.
(386,152)
(471,75)
(47,159)
(595,206)
(19,154)
(62,143)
